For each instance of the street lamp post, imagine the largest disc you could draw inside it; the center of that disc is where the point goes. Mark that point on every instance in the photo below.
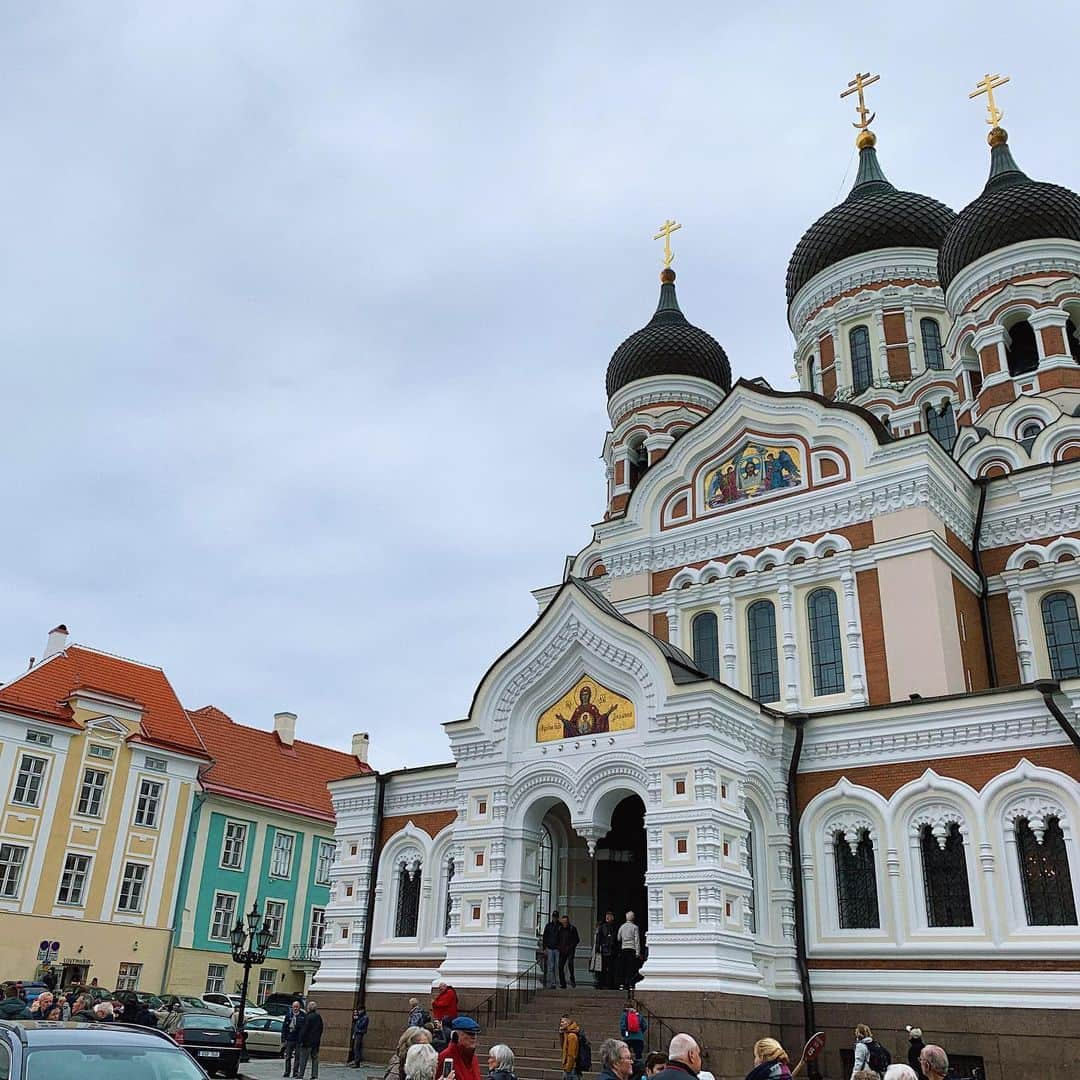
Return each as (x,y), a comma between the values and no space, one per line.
(249,946)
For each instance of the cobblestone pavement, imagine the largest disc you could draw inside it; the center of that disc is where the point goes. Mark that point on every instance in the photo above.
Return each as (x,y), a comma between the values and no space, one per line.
(270,1069)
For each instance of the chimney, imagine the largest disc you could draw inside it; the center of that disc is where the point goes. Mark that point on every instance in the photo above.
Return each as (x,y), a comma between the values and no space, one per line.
(360,746)
(56,641)
(285,727)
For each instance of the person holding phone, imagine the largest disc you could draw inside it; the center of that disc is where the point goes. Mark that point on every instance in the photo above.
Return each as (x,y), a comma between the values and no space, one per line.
(460,1053)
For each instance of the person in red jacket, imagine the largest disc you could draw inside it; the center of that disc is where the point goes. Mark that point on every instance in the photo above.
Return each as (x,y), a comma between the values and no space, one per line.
(461,1050)
(444,1003)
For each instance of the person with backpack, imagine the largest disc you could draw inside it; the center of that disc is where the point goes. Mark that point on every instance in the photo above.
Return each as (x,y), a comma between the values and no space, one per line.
(576,1051)
(869,1053)
(633,1027)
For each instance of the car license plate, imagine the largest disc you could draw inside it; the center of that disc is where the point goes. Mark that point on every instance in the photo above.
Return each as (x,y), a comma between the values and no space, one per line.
(209,1053)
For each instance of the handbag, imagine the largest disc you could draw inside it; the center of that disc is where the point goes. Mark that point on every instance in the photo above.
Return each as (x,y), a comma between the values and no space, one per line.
(596,962)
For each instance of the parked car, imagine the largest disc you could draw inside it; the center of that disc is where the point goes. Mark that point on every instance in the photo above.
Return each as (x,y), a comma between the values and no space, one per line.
(262,1036)
(144,997)
(280,1004)
(99,993)
(227,1004)
(60,1051)
(209,1038)
(183,1002)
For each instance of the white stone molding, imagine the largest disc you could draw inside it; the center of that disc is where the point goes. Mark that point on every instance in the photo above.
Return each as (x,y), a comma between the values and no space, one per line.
(648,393)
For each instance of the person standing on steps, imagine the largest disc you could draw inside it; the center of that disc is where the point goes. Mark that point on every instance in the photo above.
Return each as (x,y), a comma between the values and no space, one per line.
(633,1027)
(549,942)
(606,945)
(568,1033)
(567,942)
(629,952)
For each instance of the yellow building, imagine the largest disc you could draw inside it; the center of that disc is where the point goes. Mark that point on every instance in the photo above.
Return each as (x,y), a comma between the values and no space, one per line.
(98,769)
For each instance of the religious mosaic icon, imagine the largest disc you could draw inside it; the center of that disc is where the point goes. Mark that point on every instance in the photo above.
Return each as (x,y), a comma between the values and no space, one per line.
(754,470)
(588,709)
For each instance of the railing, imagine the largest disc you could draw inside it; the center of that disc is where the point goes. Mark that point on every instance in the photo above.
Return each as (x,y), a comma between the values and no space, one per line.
(305,954)
(660,1033)
(508,1000)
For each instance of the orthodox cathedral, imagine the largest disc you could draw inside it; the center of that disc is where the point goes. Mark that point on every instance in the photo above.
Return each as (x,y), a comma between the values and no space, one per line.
(808,702)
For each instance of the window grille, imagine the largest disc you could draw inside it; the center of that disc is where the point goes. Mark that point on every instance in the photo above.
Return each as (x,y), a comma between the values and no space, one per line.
(1062,634)
(764,666)
(1044,871)
(408,902)
(706,643)
(856,883)
(862,369)
(931,343)
(826,650)
(948,900)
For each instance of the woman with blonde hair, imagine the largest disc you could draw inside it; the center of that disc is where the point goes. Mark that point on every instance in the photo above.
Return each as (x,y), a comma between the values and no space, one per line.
(395,1069)
(864,1038)
(770,1061)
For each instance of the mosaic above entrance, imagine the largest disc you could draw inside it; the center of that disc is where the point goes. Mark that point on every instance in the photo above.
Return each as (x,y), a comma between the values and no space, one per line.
(756,469)
(589,709)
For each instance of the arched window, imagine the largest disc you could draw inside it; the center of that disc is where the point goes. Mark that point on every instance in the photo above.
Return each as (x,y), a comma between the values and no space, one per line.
(1044,871)
(941,424)
(544,879)
(811,374)
(862,370)
(751,900)
(449,898)
(764,667)
(637,459)
(1030,430)
(1062,634)
(856,883)
(1072,340)
(1021,352)
(826,652)
(948,901)
(931,344)
(706,643)
(407,916)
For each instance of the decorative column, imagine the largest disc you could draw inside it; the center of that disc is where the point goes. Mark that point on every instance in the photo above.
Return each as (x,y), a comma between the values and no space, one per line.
(727,608)
(788,638)
(1025,653)
(854,635)
(673,628)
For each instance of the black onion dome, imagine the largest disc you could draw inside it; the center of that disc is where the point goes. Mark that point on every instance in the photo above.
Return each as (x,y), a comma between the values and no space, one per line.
(1012,208)
(668,345)
(873,216)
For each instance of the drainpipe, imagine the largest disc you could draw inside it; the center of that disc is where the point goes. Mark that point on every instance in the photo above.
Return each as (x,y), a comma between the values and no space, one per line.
(798,721)
(360,1000)
(983,482)
(1048,688)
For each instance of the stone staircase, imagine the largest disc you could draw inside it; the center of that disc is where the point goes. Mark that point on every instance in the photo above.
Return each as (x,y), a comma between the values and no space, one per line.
(533,1034)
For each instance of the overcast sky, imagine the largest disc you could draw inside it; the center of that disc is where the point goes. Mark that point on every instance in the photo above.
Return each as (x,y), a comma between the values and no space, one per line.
(306,307)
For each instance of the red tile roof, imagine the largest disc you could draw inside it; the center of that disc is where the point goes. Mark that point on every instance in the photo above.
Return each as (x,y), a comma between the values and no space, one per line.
(256,766)
(44,691)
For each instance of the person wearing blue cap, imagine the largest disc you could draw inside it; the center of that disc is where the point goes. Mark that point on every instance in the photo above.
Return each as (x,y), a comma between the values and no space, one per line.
(461,1051)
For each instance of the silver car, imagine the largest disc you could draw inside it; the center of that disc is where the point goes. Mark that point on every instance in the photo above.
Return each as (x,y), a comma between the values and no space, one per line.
(262,1036)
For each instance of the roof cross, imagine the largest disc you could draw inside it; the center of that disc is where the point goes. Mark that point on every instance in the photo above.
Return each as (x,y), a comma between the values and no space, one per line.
(666,230)
(987,85)
(856,86)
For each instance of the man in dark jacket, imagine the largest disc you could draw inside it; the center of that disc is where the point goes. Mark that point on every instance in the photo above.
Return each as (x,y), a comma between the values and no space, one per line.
(567,941)
(606,945)
(310,1041)
(549,942)
(361,1022)
(291,1029)
(13,1007)
(684,1059)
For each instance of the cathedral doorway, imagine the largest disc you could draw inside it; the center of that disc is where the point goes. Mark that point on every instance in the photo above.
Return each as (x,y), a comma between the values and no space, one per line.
(621,865)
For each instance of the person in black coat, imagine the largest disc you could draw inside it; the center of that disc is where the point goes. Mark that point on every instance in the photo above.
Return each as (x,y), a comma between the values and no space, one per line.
(310,1041)
(292,1028)
(549,942)
(915,1048)
(567,942)
(607,941)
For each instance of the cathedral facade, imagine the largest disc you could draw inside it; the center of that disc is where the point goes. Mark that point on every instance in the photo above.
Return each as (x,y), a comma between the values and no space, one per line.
(808,702)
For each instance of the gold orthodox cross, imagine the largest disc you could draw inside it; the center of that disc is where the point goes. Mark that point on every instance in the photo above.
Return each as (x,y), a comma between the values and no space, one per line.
(666,230)
(856,86)
(987,85)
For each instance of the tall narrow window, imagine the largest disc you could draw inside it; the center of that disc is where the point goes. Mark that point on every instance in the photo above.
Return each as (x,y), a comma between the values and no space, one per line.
(407,916)
(811,374)
(941,424)
(856,883)
(73,879)
(1062,634)
(317,929)
(223,917)
(232,847)
(931,344)
(1044,871)
(267,982)
(706,644)
(1072,341)
(751,900)
(324,863)
(826,651)
(764,666)
(281,863)
(544,864)
(28,782)
(1022,353)
(948,901)
(92,793)
(862,369)
(215,978)
(449,895)
(275,916)
(132,887)
(149,803)
(12,860)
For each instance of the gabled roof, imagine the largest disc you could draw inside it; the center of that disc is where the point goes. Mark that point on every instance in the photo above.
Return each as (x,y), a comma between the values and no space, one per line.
(255,766)
(45,690)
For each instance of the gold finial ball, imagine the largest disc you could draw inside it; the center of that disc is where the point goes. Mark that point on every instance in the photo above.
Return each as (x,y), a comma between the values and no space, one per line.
(997,136)
(667,276)
(865,139)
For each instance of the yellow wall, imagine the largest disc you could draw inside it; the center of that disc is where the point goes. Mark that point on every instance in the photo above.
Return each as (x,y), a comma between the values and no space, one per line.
(188,974)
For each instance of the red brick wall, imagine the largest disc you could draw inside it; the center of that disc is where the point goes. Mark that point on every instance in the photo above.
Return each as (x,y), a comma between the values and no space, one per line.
(660,625)
(1001,634)
(827,351)
(969,628)
(1053,341)
(897,346)
(873,630)
(432,822)
(989,360)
